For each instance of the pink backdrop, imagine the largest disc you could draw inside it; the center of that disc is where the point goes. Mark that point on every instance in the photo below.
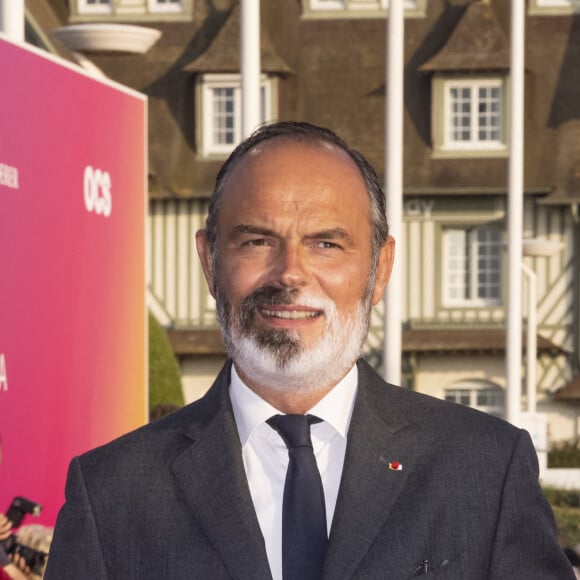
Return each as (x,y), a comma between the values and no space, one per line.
(73,362)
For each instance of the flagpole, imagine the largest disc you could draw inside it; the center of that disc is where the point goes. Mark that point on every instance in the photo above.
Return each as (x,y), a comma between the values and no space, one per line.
(12,19)
(515,216)
(392,344)
(250,65)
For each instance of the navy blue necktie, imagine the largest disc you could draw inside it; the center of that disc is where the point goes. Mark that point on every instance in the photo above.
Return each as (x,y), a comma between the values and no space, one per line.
(304,536)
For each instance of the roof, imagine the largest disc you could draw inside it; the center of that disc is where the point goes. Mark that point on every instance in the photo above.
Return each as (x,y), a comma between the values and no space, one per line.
(223,55)
(478,191)
(40,18)
(187,341)
(423,340)
(569,392)
(337,80)
(569,191)
(476,43)
(431,340)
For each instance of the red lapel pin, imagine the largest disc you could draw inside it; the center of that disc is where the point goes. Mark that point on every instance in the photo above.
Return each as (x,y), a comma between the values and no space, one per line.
(395,466)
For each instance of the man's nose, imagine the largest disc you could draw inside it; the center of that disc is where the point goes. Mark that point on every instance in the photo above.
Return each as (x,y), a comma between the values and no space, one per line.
(290,268)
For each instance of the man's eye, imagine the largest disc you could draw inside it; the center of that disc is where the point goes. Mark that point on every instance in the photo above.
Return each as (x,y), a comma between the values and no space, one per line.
(326,245)
(255,242)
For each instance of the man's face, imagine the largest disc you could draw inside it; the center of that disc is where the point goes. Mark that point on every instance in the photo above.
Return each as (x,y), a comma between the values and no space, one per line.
(293,252)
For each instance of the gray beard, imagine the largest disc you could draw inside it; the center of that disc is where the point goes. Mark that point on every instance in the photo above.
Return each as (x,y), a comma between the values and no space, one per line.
(277,359)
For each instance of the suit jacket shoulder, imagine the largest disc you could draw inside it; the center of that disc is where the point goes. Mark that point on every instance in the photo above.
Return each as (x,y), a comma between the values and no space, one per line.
(399,408)
(169,435)
(428,480)
(169,500)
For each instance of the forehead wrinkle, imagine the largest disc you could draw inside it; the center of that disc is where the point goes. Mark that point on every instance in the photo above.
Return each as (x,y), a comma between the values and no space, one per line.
(236,233)
(296,215)
(258,186)
(337,233)
(251,229)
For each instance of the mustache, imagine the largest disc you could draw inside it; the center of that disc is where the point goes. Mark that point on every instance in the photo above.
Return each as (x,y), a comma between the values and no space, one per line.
(262,298)
(268,296)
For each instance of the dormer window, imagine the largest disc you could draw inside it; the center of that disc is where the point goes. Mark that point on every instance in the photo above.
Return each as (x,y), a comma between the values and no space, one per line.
(470,87)
(469,116)
(220,112)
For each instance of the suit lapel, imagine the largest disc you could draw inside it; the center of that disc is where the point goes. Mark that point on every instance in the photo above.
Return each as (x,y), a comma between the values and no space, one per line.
(369,487)
(212,477)
(211,474)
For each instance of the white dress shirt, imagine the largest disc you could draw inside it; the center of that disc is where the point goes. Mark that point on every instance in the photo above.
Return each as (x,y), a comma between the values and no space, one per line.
(265,454)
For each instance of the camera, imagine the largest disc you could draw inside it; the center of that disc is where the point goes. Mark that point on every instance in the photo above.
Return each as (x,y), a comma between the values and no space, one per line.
(35,559)
(19,508)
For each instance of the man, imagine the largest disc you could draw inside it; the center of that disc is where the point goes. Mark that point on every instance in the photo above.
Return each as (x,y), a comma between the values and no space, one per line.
(296,252)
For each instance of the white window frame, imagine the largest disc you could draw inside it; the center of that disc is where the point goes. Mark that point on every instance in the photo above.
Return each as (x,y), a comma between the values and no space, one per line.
(165,7)
(209,83)
(359,8)
(552,7)
(141,10)
(472,268)
(407,4)
(327,4)
(467,393)
(358,4)
(474,85)
(86,8)
(441,122)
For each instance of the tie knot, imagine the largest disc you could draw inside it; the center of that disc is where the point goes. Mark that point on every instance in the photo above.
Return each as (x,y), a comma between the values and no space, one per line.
(294,429)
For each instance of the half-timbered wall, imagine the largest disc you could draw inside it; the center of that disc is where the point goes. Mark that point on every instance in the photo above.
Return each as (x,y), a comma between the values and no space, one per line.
(174,275)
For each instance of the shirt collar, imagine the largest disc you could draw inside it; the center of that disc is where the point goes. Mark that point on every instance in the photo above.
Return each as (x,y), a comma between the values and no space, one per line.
(335,408)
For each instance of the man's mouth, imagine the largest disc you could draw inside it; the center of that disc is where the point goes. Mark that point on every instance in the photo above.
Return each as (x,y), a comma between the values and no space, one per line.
(291,314)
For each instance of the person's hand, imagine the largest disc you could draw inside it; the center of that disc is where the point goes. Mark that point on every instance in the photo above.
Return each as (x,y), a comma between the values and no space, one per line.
(5,527)
(20,562)
(15,573)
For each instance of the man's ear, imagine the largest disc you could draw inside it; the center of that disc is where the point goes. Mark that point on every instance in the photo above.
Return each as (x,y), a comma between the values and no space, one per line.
(205,258)
(384,267)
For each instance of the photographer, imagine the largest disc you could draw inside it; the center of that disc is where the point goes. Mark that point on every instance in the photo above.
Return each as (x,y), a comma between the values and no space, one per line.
(15,568)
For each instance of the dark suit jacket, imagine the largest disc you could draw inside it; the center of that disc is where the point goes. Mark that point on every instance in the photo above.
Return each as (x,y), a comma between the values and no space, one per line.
(171,500)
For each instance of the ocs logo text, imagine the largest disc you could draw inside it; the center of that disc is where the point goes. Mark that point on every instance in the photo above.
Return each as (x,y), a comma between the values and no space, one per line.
(97,191)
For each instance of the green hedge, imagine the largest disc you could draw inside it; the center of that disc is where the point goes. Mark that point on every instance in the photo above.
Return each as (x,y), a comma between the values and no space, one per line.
(566,506)
(565,454)
(565,503)
(567,498)
(568,522)
(164,378)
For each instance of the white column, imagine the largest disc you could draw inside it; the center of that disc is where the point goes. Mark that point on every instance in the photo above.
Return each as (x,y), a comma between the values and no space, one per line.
(531,337)
(515,216)
(392,346)
(12,19)
(250,64)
